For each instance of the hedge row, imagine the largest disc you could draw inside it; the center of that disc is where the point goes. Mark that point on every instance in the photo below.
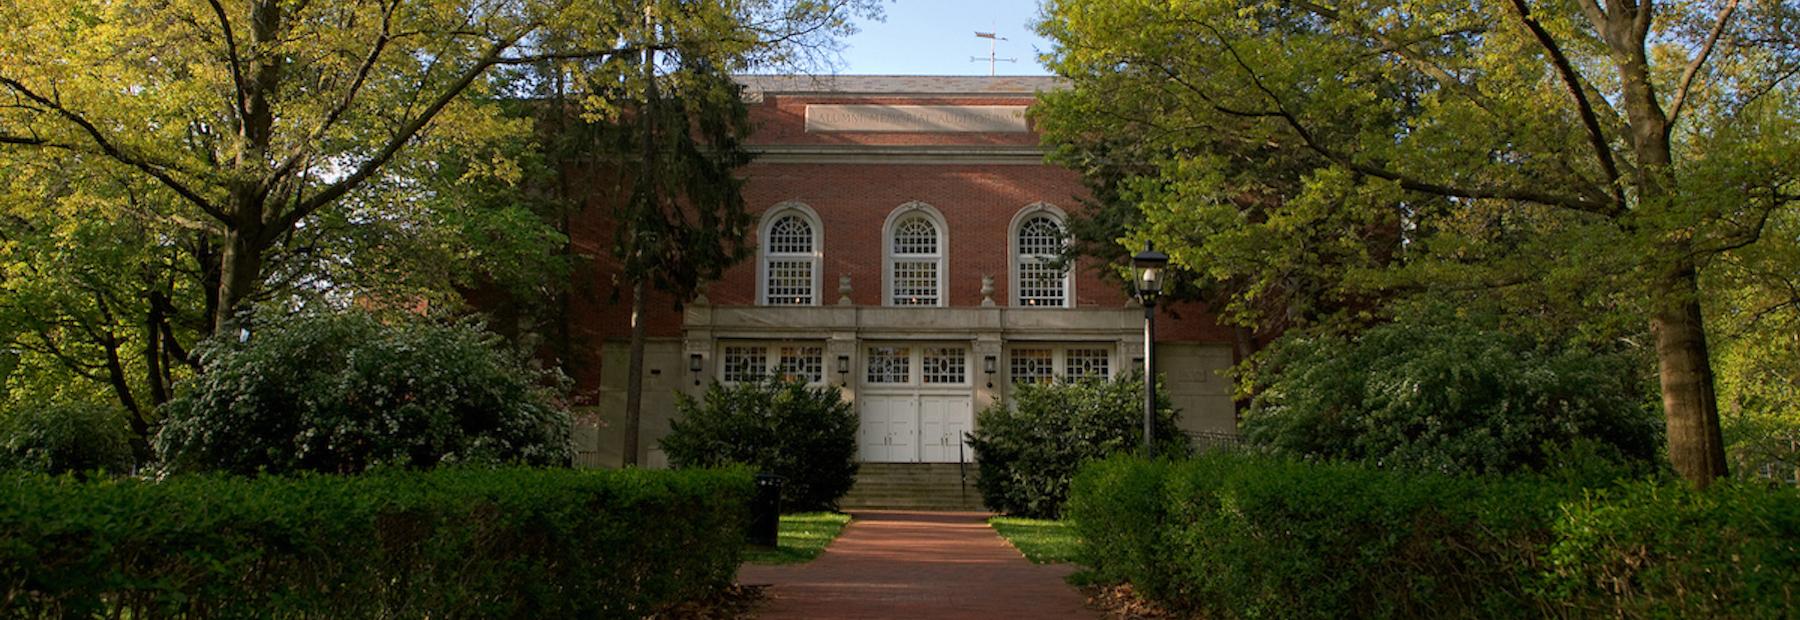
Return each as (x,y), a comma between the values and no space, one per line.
(455,543)
(1242,536)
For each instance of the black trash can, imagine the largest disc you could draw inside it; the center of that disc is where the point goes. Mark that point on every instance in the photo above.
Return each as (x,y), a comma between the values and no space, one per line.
(765,510)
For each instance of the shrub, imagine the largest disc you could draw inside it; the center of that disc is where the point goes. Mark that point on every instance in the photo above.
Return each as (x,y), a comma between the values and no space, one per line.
(1670,551)
(450,543)
(1254,536)
(69,437)
(347,392)
(1028,449)
(1448,397)
(804,434)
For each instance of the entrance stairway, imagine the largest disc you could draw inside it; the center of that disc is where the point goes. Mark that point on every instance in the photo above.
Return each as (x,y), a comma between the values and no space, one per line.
(912,486)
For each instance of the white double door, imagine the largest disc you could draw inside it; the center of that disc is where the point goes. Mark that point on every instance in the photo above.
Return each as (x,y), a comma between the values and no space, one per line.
(915,428)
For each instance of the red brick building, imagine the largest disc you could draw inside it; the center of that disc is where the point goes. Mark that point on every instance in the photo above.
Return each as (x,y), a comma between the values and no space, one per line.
(903,228)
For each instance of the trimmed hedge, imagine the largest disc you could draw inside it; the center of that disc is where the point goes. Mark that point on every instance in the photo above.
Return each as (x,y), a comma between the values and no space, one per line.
(1245,536)
(453,543)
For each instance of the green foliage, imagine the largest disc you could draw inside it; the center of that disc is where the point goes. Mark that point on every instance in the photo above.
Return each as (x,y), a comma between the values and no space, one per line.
(1313,163)
(1447,395)
(806,435)
(1228,536)
(1655,550)
(347,392)
(56,439)
(452,543)
(1028,449)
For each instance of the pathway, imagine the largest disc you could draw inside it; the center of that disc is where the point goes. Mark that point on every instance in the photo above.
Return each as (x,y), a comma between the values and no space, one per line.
(917,565)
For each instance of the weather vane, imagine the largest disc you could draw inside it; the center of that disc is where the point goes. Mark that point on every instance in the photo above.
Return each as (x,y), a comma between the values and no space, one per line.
(994,39)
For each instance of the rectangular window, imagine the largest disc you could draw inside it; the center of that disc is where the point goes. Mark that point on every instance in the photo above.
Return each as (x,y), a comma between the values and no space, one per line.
(1086,363)
(945,365)
(915,283)
(889,365)
(803,363)
(1032,365)
(1040,282)
(790,282)
(744,364)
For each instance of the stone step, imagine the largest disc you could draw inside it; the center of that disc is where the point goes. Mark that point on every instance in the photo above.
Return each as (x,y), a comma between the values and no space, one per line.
(973,504)
(914,486)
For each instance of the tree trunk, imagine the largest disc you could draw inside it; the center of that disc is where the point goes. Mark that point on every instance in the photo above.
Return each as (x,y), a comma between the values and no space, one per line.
(240,267)
(1696,445)
(634,381)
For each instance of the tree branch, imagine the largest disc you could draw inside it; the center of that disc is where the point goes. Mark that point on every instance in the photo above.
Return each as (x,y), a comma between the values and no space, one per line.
(350,93)
(406,133)
(154,169)
(1572,80)
(1693,68)
(1405,181)
(237,67)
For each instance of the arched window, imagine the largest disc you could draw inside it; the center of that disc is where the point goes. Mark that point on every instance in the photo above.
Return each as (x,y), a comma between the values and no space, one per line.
(916,247)
(1041,277)
(791,243)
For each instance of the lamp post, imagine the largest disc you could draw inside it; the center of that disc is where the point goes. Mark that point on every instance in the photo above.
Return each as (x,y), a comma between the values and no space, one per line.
(1147,271)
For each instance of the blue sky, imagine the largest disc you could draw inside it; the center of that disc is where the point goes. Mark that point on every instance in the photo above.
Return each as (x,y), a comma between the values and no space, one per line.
(937,37)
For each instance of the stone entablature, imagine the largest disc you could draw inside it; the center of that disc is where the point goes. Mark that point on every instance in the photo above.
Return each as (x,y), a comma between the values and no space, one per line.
(884,323)
(917,118)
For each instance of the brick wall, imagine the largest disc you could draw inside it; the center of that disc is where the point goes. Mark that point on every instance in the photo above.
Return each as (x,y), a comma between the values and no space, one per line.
(853,200)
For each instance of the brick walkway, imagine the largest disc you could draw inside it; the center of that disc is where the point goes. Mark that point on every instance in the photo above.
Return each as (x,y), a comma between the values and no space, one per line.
(915,565)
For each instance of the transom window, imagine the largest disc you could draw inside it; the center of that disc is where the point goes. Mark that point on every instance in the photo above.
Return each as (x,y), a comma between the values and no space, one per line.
(938,365)
(1040,273)
(889,365)
(915,257)
(945,365)
(1044,364)
(790,258)
(744,364)
(802,363)
(793,362)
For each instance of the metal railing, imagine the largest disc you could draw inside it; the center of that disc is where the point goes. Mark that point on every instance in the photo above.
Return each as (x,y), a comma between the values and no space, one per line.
(1208,441)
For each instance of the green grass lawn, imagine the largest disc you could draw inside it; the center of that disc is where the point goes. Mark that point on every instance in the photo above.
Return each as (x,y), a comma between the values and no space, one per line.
(1042,542)
(802,537)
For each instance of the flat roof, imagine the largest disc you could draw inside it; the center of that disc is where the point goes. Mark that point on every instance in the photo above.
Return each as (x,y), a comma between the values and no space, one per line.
(900,84)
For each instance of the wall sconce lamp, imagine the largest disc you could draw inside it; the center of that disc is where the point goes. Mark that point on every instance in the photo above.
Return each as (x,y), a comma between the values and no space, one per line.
(990,364)
(843,368)
(694,364)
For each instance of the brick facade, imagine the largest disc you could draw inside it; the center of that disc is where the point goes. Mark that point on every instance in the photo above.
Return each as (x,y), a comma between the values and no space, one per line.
(853,181)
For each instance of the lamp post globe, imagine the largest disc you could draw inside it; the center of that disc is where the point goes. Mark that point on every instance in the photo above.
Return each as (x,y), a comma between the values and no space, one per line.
(1148,270)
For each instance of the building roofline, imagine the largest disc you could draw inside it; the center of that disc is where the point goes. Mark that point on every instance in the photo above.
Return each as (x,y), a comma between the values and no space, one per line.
(900,85)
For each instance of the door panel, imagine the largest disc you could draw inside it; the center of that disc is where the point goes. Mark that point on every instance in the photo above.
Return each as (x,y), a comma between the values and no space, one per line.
(885,432)
(903,434)
(943,420)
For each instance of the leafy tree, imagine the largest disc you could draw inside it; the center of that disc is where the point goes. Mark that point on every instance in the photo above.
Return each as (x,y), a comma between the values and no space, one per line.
(1607,149)
(346,392)
(1029,449)
(94,289)
(1438,392)
(806,435)
(299,153)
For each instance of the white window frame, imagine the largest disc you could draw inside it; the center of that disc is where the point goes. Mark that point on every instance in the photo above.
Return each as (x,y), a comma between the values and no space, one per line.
(915,372)
(1059,358)
(1014,262)
(815,259)
(771,353)
(942,258)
